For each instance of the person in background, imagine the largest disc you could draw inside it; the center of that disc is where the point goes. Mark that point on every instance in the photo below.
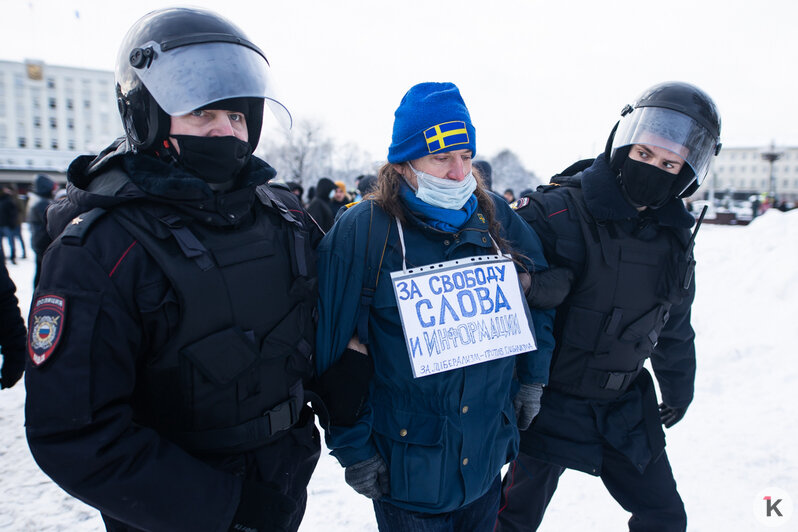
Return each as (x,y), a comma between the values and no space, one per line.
(509,195)
(43,186)
(320,207)
(619,223)
(340,197)
(296,189)
(16,230)
(12,332)
(8,220)
(428,450)
(485,171)
(171,332)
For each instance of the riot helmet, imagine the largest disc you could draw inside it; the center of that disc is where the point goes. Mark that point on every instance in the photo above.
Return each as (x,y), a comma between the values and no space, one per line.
(176,60)
(678,117)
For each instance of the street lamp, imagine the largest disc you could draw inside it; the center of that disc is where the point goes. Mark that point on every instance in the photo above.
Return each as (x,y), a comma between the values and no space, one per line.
(771,156)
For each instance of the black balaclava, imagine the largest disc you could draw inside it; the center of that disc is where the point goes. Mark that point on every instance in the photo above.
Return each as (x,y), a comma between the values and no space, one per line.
(645,185)
(215,160)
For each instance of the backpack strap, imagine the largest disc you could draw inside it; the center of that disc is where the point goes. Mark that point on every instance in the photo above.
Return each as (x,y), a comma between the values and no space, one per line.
(372,277)
(300,243)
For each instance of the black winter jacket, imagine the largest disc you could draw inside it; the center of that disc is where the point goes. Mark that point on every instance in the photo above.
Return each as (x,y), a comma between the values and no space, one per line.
(120,309)
(629,423)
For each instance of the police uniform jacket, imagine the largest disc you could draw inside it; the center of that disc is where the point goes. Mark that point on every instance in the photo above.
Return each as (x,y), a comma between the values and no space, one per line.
(571,427)
(444,437)
(90,416)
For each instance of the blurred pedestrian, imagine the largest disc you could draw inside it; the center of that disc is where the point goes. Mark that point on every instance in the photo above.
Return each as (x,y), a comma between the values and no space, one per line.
(43,187)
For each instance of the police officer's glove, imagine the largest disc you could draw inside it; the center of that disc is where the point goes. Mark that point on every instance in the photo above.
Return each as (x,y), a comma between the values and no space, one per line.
(344,387)
(13,367)
(527,404)
(263,508)
(671,415)
(549,288)
(369,477)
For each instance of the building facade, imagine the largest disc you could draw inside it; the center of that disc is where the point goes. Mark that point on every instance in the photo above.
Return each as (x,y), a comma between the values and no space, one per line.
(743,172)
(51,114)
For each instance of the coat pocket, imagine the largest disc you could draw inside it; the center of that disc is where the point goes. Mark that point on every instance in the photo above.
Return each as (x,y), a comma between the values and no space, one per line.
(413,445)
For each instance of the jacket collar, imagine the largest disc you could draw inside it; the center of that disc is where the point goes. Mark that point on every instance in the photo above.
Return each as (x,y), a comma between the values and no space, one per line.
(605,201)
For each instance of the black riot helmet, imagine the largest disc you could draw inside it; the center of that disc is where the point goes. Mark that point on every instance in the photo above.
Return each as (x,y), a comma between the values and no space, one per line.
(678,117)
(176,60)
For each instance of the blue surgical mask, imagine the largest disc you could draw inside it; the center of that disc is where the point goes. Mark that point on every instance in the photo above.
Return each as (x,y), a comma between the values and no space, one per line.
(444,193)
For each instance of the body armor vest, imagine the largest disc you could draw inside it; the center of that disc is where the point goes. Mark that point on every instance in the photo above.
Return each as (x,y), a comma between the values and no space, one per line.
(612,319)
(232,377)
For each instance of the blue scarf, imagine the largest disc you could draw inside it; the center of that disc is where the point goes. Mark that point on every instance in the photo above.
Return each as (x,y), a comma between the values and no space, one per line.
(448,220)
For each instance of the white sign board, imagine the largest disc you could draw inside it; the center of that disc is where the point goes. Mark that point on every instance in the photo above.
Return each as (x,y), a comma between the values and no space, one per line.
(461,312)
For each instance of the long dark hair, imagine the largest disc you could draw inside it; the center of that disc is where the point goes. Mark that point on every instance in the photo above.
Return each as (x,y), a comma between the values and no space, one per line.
(386,195)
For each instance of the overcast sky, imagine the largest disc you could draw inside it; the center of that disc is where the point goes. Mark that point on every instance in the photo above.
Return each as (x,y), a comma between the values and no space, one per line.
(546,79)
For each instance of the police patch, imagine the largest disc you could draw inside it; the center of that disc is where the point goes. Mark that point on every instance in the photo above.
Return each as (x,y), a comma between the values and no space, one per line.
(519,203)
(45,327)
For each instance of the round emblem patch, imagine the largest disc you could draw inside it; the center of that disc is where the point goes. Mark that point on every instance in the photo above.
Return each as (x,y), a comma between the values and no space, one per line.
(46,324)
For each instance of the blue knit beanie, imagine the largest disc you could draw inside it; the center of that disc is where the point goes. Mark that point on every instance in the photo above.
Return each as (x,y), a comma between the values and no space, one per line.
(432,118)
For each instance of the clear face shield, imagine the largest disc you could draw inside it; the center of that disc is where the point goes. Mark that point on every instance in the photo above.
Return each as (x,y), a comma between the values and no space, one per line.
(671,130)
(186,78)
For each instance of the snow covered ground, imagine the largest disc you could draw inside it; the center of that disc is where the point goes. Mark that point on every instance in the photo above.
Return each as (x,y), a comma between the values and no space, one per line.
(738,438)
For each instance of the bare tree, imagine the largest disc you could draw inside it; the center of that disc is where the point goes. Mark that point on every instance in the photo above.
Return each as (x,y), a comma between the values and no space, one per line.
(509,172)
(303,155)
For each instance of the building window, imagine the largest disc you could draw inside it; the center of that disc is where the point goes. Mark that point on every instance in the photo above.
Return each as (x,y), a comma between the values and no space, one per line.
(70,104)
(51,103)
(54,144)
(37,121)
(71,144)
(37,143)
(21,142)
(53,122)
(87,104)
(50,83)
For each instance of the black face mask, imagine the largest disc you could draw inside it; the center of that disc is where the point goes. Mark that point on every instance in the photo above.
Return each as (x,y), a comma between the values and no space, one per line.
(213,159)
(646,185)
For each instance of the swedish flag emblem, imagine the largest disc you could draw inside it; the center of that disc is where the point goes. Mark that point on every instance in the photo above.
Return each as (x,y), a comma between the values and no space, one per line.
(446,135)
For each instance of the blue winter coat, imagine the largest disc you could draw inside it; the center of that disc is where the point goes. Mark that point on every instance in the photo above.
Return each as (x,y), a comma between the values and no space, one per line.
(570,431)
(444,437)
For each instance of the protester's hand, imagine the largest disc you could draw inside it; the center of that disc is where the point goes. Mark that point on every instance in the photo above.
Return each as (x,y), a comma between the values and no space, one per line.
(262,508)
(670,415)
(369,477)
(527,404)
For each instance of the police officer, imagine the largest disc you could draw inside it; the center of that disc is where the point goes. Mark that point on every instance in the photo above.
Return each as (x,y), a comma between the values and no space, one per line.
(618,222)
(171,331)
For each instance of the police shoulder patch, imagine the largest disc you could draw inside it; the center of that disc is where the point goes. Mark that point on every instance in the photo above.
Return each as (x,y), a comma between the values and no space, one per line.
(520,203)
(45,327)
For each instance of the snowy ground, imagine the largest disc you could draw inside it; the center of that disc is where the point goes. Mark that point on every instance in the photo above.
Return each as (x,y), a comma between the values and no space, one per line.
(737,439)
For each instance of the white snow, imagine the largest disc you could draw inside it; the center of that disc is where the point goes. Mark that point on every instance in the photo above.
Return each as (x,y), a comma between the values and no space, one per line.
(737,439)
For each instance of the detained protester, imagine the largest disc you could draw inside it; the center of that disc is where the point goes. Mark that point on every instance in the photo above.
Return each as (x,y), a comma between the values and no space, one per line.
(171,331)
(420,302)
(619,223)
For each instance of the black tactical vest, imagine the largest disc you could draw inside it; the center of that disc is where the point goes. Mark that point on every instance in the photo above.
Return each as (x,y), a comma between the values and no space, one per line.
(232,378)
(612,319)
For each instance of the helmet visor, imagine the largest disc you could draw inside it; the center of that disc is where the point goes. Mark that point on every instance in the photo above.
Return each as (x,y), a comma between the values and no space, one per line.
(671,130)
(186,78)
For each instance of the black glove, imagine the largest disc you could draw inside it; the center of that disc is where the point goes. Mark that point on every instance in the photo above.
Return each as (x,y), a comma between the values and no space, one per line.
(263,508)
(527,404)
(369,477)
(549,288)
(344,387)
(671,415)
(13,367)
